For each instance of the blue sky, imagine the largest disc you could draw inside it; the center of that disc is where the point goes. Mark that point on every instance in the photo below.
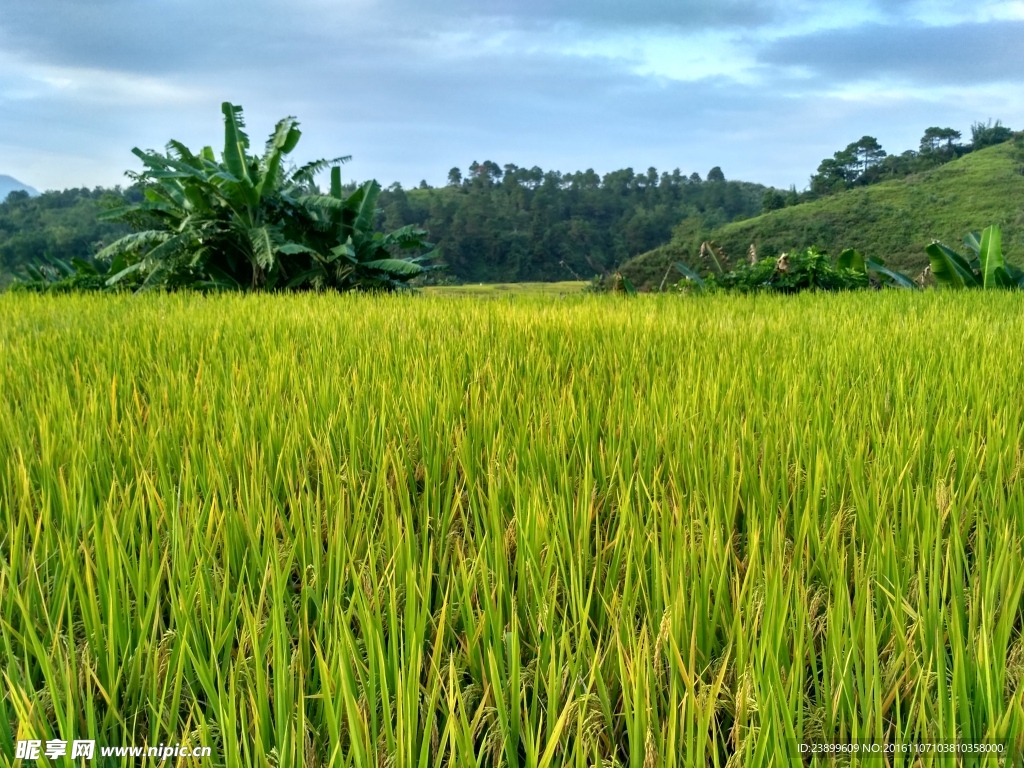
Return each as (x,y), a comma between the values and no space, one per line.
(410,88)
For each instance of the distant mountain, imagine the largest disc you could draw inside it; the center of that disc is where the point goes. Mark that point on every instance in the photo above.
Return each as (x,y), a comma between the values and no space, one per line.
(9,184)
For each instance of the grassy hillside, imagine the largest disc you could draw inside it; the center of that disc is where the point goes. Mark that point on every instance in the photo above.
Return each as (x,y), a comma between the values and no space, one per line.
(893,221)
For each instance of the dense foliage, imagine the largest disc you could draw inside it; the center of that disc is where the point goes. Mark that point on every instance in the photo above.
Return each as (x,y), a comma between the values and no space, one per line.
(352,532)
(59,276)
(987,269)
(502,224)
(510,224)
(521,224)
(806,270)
(248,222)
(59,225)
(864,162)
(791,273)
(894,221)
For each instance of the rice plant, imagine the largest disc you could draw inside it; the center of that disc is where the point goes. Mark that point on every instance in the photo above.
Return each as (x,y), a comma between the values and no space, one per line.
(591,531)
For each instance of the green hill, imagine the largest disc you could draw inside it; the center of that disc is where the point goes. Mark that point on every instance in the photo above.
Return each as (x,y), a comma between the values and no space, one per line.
(894,220)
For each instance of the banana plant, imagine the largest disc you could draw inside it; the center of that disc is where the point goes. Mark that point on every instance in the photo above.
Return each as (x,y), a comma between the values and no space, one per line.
(245,222)
(986,270)
(691,275)
(347,252)
(809,269)
(53,275)
(855,260)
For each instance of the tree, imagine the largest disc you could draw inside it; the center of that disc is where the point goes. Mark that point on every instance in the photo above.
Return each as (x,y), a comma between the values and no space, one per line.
(834,174)
(848,167)
(519,229)
(773,200)
(454,177)
(867,151)
(989,134)
(61,224)
(934,138)
(488,172)
(244,222)
(715,174)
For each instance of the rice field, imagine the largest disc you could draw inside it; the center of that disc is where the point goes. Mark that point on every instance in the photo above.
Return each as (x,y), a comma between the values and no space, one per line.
(587,531)
(505,290)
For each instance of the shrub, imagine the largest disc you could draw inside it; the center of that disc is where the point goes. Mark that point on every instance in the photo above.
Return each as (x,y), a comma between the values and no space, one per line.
(244,222)
(809,269)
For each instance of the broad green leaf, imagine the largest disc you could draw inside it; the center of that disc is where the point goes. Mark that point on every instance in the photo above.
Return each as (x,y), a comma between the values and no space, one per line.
(394,266)
(197,201)
(292,249)
(117,263)
(242,198)
(131,269)
(336,192)
(367,207)
(306,174)
(35,273)
(1016,275)
(115,214)
(235,142)
(306,276)
(990,255)
(63,267)
(851,258)
(132,242)
(169,247)
(262,246)
(84,267)
(222,279)
(895,278)
(344,250)
(1002,278)
(949,267)
(325,203)
(973,241)
(690,274)
(286,135)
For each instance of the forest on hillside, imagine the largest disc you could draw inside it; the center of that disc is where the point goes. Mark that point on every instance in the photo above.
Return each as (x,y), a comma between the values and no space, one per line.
(61,224)
(507,224)
(496,223)
(493,224)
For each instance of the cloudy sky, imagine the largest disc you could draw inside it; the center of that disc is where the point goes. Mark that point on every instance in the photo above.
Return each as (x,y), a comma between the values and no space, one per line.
(411,88)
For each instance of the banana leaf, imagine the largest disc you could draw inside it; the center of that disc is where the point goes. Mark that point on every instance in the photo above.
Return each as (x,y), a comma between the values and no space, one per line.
(852,259)
(990,257)
(394,266)
(950,268)
(690,274)
(895,278)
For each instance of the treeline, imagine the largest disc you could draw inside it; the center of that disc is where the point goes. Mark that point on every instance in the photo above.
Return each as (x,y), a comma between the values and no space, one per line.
(864,162)
(492,224)
(509,224)
(63,225)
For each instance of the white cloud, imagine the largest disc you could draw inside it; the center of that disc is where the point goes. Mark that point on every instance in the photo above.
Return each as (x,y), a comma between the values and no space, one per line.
(763,88)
